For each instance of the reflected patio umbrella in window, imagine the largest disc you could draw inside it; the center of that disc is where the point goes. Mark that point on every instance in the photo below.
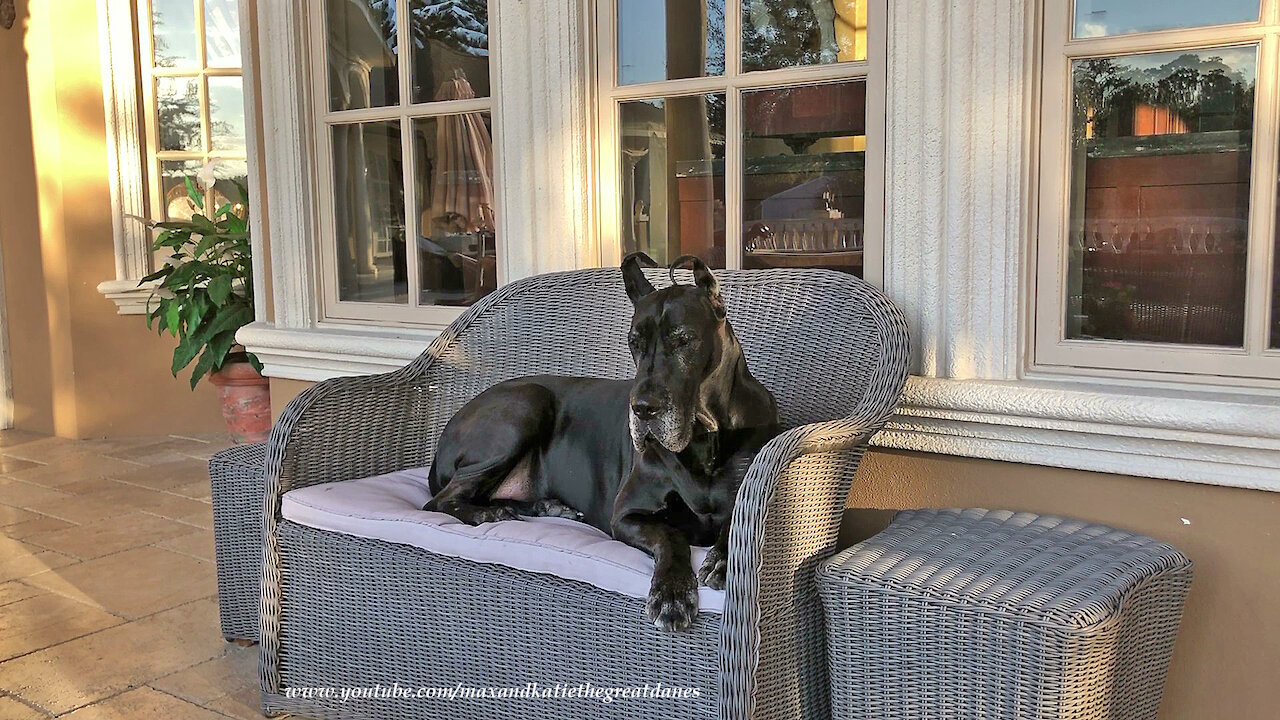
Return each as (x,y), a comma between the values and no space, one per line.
(457,223)
(462,182)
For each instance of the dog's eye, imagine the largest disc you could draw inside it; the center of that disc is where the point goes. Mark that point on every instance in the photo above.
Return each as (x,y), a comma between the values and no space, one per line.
(676,340)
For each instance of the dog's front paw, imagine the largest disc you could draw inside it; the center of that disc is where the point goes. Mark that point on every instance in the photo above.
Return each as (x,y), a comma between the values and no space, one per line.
(550,507)
(488,514)
(673,604)
(713,569)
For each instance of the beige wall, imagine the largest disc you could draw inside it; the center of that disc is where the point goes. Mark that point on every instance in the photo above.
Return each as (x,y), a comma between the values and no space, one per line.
(79,370)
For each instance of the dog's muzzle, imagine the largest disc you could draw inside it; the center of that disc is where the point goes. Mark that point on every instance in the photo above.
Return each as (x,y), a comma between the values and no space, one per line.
(654,417)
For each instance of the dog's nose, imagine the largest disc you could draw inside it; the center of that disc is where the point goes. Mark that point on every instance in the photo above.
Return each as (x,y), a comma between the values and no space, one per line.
(645,407)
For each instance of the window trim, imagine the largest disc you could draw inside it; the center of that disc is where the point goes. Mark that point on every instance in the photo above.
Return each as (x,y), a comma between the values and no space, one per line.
(409,314)
(733,83)
(1049,352)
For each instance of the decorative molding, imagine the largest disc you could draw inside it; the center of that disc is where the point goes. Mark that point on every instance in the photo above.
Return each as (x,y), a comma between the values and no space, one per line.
(545,133)
(957,115)
(321,353)
(130,299)
(1193,436)
(253,150)
(287,224)
(124,148)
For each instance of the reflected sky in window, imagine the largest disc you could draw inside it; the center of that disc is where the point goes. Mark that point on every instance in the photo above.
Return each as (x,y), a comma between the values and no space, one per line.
(1100,18)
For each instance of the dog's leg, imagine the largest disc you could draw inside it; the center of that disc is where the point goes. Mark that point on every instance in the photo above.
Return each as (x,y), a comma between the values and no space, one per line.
(481,446)
(716,563)
(673,594)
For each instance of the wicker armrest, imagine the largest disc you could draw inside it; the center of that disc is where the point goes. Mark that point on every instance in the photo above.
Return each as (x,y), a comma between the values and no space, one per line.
(347,428)
(786,521)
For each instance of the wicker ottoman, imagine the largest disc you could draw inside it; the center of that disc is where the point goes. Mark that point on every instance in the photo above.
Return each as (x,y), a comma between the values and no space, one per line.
(993,614)
(238,490)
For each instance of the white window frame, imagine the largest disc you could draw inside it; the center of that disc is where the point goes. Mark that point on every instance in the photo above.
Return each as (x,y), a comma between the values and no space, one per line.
(405,112)
(733,83)
(1254,363)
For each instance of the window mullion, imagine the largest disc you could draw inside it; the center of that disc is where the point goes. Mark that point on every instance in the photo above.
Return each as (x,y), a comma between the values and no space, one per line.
(411,219)
(733,153)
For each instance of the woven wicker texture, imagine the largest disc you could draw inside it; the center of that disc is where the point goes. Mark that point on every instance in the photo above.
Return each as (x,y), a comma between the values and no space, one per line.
(237,487)
(994,614)
(831,348)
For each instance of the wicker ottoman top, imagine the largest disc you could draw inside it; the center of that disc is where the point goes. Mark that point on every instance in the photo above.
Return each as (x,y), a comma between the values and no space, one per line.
(1059,571)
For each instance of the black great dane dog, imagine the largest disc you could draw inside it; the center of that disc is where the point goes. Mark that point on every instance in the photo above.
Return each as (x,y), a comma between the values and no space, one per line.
(657,460)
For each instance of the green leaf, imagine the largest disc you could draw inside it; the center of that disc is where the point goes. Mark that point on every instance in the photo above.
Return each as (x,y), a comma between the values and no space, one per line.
(162,272)
(193,192)
(184,354)
(220,289)
(172,316)
(214,355)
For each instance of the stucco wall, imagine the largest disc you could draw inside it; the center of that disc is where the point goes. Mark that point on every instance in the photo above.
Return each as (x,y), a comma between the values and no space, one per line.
(79,369)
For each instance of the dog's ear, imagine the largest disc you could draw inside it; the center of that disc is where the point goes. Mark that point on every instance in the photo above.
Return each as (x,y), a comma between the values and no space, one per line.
(703,278)
(633,276)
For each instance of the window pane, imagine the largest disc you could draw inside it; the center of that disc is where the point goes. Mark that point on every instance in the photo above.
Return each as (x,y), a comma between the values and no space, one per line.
(673,177)
(457,258)
(222,33)
(178,114)
(1161,148)
(226,174)
(1097,18)
(176,201)
(226,115)
(669,39)
(368,212)
(785,33)
(362,53)
(450,49)
(802,185)
(173,33)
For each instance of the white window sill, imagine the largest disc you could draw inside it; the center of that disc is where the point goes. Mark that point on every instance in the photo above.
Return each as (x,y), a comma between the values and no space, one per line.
(322,353)
(128,297)
(1202,436)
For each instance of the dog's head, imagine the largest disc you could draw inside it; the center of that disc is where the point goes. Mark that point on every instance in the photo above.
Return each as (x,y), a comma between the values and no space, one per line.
(683,346)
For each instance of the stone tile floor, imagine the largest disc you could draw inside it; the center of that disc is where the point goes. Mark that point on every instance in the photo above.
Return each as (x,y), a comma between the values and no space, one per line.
(108,598)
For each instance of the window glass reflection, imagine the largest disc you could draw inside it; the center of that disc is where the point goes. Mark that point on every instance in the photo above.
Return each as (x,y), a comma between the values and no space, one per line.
(369,212)
(450,41)
(1099,18)
(787,33)
(457,254)
(362,52)
(669,39)
(803,177)
(673,177)
(1161,154)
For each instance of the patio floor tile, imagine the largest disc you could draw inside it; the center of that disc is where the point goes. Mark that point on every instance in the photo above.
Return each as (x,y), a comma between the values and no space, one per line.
(20,565)
(133,583)
(45,620)
(44,449)
(10,515)
(143,702)
(85,501)
(111,535)
(228,684)
(68,676)
(171,449)
(166,476)
(196,544)
(11,709)
(72,468)
(37,524)
(15,590)
(13,438)
(10,465)
(28,495)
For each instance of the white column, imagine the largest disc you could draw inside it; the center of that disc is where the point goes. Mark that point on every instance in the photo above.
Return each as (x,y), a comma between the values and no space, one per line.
(958,110)
(544,130)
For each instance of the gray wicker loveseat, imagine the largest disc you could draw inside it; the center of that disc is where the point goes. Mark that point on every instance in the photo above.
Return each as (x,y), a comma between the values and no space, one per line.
(343,611)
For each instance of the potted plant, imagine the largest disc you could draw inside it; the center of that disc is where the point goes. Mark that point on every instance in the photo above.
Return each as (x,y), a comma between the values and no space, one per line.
(202,296)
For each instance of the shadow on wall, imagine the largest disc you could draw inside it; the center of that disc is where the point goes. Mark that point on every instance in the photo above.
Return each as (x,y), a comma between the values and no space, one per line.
(79,369)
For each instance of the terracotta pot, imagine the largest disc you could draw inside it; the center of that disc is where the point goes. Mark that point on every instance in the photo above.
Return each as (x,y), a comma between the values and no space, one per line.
(246,402)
